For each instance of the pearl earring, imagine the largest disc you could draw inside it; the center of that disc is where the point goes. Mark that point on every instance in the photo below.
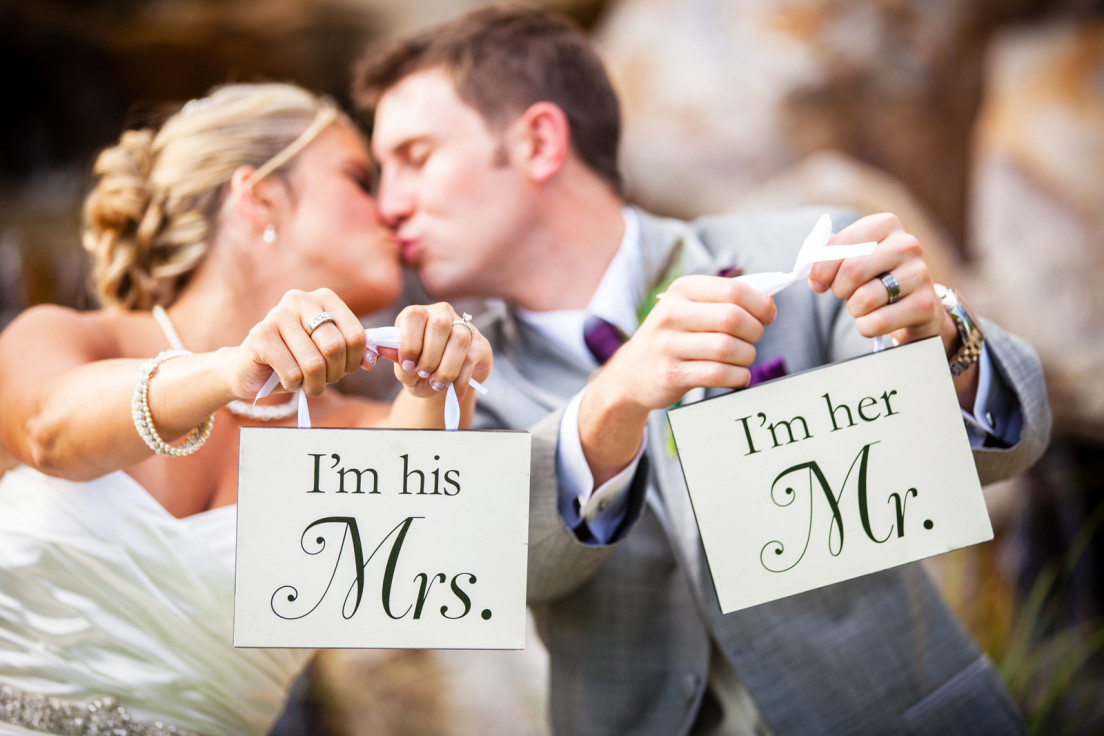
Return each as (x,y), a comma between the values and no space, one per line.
(269,234)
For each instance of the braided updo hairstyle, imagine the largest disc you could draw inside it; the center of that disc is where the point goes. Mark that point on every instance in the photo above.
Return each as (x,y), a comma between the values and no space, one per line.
(154,206)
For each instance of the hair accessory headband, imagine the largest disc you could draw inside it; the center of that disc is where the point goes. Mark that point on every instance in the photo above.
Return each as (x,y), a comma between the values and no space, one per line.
(324,117)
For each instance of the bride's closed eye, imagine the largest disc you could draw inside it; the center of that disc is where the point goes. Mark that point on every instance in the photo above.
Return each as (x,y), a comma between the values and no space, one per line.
(364,183)
(363,179)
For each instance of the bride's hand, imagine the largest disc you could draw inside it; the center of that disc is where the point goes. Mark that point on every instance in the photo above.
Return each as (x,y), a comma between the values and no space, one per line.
(438,347)
(306,348)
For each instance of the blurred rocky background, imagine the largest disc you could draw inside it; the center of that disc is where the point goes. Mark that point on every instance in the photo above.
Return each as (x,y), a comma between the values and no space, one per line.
(980,122)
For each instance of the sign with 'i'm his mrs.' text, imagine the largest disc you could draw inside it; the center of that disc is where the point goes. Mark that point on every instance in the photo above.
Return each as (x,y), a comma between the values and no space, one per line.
(830,474)
(381,538)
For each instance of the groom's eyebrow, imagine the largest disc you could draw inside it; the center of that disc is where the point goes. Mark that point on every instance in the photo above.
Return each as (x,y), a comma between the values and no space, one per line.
(402,148)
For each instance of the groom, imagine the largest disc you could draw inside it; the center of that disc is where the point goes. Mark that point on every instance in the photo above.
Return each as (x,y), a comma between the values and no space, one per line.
(497,138)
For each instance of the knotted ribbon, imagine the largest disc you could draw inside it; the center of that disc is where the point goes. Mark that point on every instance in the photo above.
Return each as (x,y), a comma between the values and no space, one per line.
(378,337)
(603,338)
(814,249)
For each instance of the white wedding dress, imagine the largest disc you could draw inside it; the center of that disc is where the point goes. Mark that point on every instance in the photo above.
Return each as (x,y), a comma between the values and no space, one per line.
(104,594)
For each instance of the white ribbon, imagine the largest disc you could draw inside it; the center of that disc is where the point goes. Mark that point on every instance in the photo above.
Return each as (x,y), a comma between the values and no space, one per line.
(378,337)
(814,249)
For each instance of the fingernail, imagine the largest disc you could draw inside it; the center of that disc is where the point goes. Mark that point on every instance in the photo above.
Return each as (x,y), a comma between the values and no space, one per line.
(424,374)
(436,385)
(409,365)
(371,357)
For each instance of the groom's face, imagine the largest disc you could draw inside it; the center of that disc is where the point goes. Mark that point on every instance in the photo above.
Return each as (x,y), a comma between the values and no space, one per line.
(449,188)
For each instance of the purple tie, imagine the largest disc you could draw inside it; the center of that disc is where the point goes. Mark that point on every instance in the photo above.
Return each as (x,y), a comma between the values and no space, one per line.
(602,338)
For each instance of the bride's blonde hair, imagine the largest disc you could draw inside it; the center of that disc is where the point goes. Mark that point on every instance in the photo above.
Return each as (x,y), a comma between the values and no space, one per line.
(153,209)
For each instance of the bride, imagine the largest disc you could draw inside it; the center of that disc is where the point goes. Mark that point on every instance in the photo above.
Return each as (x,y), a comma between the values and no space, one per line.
(117,521)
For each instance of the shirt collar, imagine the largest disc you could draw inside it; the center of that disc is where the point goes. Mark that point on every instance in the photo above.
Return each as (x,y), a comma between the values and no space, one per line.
(616,297)
(614,300)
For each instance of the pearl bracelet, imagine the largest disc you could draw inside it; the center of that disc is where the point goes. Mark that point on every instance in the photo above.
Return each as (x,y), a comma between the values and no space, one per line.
(143,419)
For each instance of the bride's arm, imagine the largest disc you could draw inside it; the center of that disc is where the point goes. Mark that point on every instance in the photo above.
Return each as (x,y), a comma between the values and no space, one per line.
(65,395)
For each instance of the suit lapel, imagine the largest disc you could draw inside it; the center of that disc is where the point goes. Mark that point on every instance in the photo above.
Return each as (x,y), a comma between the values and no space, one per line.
(670,501)
(527,360)
(668,496)
(658,238)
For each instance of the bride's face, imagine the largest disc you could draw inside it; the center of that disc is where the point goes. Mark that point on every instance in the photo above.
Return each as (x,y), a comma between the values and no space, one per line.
(333,225)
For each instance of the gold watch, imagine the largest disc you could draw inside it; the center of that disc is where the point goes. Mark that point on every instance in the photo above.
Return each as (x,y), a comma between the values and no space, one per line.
(969,329)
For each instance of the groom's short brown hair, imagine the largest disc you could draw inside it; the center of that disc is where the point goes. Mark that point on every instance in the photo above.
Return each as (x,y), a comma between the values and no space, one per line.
(501,60)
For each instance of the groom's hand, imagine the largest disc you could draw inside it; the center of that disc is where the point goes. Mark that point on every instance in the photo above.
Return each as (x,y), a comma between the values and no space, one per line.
(702,333)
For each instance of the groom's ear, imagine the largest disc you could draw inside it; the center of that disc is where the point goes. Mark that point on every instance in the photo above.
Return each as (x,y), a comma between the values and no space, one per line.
(543,140)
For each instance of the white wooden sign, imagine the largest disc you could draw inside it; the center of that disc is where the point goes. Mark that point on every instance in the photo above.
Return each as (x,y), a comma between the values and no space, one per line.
(381,538)
(830,474)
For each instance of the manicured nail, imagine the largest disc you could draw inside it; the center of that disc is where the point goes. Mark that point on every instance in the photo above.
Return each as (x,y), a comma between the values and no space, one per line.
(424,374)
(436,385)
(371,357)
(409,365)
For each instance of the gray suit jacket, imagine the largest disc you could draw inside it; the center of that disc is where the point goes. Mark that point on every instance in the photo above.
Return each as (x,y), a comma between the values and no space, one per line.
(628,625)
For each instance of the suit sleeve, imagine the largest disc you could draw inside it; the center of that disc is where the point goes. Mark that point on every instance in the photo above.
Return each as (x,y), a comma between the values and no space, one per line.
(558,561)
(1022,373)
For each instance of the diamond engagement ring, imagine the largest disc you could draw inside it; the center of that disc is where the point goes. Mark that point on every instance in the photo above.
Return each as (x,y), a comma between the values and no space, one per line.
(892,287)
(466,321)
(318,320)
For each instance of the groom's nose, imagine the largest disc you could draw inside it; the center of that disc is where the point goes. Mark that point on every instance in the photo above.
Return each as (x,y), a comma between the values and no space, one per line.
(394,199)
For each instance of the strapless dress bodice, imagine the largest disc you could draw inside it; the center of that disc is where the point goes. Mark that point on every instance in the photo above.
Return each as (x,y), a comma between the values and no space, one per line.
(104,594)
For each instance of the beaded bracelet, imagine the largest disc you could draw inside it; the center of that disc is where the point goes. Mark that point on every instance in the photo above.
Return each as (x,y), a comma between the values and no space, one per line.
(143,419)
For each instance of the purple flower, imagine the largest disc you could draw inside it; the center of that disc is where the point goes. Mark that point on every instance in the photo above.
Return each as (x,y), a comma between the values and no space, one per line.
(773,368)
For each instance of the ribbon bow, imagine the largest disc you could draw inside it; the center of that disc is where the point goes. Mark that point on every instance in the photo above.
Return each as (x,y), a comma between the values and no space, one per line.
(814,249)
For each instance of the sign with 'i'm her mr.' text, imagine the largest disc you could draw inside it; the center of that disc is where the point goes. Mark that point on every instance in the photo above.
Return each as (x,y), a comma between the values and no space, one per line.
(830,474)
(381,538)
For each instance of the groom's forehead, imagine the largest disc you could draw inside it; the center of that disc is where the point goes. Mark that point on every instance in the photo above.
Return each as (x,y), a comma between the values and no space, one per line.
(423,106)
(423,93)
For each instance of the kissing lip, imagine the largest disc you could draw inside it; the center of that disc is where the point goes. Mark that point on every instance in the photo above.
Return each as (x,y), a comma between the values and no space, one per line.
(409,250)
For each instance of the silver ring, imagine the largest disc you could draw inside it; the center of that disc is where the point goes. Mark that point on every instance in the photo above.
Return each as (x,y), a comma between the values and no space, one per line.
(466,321)
(892,287)
(318,320)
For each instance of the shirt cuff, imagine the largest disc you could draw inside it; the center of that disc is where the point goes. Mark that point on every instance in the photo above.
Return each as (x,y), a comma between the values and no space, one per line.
(594,514)
(996,419)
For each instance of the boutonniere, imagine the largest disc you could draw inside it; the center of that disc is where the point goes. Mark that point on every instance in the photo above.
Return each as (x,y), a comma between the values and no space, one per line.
(773,368)
(672,269)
